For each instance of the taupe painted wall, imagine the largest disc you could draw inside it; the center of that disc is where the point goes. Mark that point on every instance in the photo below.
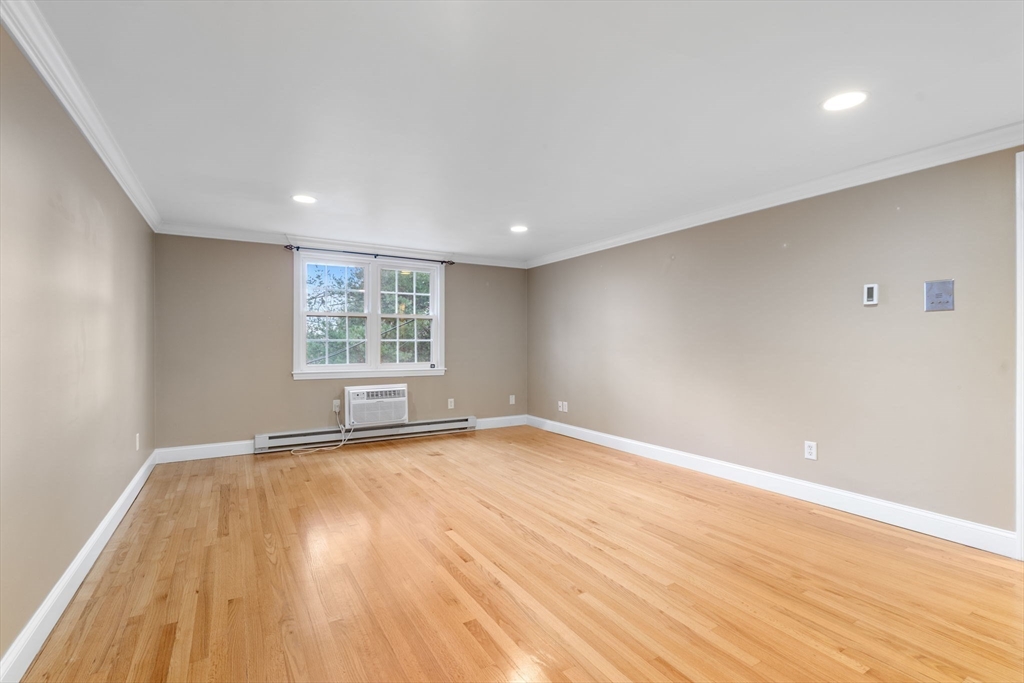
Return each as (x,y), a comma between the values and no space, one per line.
(224,345)
(737,340)
(740,339)
(76,340)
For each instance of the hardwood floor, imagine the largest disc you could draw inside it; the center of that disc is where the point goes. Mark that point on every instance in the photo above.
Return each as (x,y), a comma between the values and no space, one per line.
(519,555)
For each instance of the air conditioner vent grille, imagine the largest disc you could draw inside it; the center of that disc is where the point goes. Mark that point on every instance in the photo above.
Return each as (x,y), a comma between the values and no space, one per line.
(385,393)
(376,405)
(384,412)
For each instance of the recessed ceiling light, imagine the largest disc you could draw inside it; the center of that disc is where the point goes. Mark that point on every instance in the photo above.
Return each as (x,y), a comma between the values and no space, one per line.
(304,199)
(519,228)
(844,101)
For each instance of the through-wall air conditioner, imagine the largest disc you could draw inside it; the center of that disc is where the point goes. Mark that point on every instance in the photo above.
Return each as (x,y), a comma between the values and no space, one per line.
(384,404)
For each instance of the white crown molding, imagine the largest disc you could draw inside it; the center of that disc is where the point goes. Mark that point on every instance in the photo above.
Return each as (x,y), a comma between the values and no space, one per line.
(26,645)
(266,237)
(956,150)
(26,24)
(964,148)
(992,539)
(221,233)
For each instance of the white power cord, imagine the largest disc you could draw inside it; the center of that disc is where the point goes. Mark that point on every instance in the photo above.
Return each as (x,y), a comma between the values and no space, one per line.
(344,439)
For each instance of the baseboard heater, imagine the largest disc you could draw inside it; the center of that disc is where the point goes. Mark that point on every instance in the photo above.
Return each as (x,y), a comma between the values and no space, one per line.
(312,438)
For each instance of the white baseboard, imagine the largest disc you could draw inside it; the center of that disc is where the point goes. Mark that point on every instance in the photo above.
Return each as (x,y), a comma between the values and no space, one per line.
(203,451)
(497,422)
(226,448)
(26,646)
(953,529)
(23,650)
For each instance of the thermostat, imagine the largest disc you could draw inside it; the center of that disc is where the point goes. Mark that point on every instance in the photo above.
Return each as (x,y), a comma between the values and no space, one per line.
(870,295)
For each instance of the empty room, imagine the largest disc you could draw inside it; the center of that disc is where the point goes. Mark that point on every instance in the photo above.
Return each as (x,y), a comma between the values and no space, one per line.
(608,341)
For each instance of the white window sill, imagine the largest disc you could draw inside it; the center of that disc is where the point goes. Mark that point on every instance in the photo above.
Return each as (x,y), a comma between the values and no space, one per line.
(357,374)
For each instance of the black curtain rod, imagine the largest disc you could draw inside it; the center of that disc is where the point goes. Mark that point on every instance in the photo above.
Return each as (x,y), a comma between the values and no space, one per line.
(293,247)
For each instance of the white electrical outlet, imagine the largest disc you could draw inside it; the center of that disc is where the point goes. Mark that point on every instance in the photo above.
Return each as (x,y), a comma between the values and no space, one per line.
(336,406)
(511,399)
(565,406)
(136,442)
(451,404)
(559,406)
(811,450)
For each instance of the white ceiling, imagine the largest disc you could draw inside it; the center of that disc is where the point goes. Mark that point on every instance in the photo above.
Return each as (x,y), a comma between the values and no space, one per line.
(439,125)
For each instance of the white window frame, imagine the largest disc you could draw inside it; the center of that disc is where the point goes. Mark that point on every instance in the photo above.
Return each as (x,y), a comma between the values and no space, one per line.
(373,367)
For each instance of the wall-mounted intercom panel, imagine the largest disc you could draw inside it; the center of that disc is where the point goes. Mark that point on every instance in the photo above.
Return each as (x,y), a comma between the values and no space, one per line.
(938,295)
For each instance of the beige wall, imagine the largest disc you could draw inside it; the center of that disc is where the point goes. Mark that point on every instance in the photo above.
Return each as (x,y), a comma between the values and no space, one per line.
(76,322)
(224,345)
(737,340)
(741,339)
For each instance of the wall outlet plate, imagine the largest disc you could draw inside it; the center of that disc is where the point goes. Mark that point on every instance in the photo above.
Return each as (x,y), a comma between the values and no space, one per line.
(336,406)
(451,404)
(560,406)
(511,399)
(811,450)
(938,295)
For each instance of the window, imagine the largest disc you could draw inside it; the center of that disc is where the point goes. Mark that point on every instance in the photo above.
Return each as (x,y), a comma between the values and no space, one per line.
(367,317)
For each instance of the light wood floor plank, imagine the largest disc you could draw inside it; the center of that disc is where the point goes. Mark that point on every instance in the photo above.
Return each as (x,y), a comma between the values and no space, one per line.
(519,555)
